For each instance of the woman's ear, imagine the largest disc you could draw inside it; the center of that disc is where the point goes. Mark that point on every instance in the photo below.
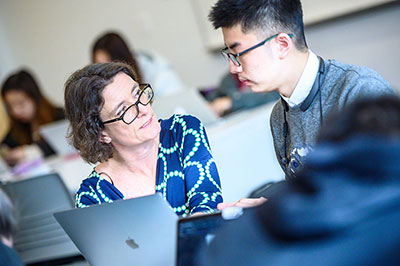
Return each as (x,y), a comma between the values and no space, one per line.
(105,138)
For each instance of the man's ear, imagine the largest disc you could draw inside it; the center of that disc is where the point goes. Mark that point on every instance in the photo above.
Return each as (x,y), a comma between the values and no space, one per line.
(285,44)
(105,137)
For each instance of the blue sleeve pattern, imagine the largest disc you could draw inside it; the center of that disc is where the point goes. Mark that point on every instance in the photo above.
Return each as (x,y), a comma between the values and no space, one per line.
(191,181)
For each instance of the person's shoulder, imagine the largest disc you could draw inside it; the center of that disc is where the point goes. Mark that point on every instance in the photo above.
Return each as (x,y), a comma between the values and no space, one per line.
(353,72)
(89,183)
(353,81)
(180,121)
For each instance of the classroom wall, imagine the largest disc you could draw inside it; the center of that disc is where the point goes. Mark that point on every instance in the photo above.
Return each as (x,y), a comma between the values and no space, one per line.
(54,37)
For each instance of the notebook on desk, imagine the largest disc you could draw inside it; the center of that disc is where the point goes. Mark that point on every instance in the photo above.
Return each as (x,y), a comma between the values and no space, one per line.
(188,101)
(55,134)
(139,231)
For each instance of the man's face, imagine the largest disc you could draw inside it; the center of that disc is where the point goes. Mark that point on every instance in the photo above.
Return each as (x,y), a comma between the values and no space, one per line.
(259,67)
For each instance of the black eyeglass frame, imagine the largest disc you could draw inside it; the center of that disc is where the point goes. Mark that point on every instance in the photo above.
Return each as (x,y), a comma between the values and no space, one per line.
(234,57)
(136,104)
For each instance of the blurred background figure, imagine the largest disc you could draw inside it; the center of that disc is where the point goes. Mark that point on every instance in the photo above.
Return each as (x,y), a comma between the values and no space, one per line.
(8,256)
(149,67)
(232,95)
(28,109)
(343,205)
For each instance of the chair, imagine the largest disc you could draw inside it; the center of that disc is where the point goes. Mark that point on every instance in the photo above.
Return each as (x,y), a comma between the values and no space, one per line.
(40,239)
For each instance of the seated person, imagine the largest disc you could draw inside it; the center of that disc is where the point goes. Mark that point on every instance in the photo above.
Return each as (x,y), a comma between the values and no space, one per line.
(8,256)
(344,207)
(28,109)
(113,124)
(149,68)
(233,95)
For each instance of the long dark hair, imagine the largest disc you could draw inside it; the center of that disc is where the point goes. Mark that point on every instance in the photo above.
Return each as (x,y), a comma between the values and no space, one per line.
(45,111)
(115,46)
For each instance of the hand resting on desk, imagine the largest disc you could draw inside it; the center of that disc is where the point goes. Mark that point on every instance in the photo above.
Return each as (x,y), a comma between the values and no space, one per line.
(243,203)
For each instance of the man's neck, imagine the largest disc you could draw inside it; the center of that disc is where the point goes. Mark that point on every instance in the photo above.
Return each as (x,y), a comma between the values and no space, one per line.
(296,64)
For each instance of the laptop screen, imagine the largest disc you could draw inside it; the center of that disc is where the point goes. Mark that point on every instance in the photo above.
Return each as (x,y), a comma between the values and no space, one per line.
(194,232)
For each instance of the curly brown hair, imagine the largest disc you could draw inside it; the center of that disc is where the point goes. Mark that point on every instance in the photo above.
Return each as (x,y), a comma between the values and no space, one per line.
(83,102)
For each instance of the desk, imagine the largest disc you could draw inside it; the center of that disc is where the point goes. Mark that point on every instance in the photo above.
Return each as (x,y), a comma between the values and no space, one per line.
(243,149)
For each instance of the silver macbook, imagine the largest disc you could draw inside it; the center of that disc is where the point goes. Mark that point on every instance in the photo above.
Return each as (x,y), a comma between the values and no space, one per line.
(139,231)
(188,101)
(55,134)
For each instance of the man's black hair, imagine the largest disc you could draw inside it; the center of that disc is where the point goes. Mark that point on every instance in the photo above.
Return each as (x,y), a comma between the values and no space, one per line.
(268,16)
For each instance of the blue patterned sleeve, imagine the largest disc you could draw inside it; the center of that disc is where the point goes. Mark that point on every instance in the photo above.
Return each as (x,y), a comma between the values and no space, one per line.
(86,196)
(202,182)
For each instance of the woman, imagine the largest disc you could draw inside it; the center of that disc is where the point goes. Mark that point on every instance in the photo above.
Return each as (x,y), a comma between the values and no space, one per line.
(28,110)
(149,68)
(113,124)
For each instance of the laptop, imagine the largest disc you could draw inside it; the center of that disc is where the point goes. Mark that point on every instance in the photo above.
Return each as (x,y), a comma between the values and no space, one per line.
(139,231)
(188,101)
(55,134)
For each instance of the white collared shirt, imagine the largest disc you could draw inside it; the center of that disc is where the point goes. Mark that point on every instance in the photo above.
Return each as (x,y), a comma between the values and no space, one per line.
(306,81)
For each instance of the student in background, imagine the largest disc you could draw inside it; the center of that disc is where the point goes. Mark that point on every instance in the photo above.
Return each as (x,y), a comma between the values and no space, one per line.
(149,68)
(114,126)
(233,95)
(28,109)
(342,209)
(8,256)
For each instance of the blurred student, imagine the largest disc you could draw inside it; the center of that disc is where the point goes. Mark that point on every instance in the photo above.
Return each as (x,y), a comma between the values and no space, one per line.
(149,67)
(233,95)
(28,109)
(342,209)
(8,256)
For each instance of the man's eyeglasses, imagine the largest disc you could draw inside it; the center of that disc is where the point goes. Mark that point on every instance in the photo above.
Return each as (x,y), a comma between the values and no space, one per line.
(146,94)
(234,57)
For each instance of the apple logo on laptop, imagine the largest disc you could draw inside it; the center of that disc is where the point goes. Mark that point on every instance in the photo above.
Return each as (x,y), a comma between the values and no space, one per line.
(131,243)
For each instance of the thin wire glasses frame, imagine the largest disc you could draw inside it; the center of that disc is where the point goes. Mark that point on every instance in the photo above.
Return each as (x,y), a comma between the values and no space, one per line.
(234,57)
(145,90)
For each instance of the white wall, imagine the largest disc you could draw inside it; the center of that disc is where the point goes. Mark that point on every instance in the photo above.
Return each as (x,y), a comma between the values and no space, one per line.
(370,39)
(53,37)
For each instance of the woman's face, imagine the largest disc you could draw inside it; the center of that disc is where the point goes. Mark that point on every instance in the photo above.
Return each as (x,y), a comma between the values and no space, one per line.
(118,96)
(101,56)
(20,106)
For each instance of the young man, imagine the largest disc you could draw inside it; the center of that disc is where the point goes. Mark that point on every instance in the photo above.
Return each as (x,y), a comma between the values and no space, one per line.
(267,49)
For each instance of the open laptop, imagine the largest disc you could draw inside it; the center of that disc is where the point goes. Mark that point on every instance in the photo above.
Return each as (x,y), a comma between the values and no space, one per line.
(139,231)
(55,134)
(188,101)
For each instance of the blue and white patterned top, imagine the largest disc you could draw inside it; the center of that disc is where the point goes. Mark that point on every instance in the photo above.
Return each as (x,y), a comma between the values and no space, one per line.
(187,176)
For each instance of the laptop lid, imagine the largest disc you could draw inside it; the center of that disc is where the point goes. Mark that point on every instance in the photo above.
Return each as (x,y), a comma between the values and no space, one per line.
(55,134)
(188,101)
(139,231)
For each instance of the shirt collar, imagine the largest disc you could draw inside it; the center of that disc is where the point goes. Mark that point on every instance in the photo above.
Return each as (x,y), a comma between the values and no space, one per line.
(306,81)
